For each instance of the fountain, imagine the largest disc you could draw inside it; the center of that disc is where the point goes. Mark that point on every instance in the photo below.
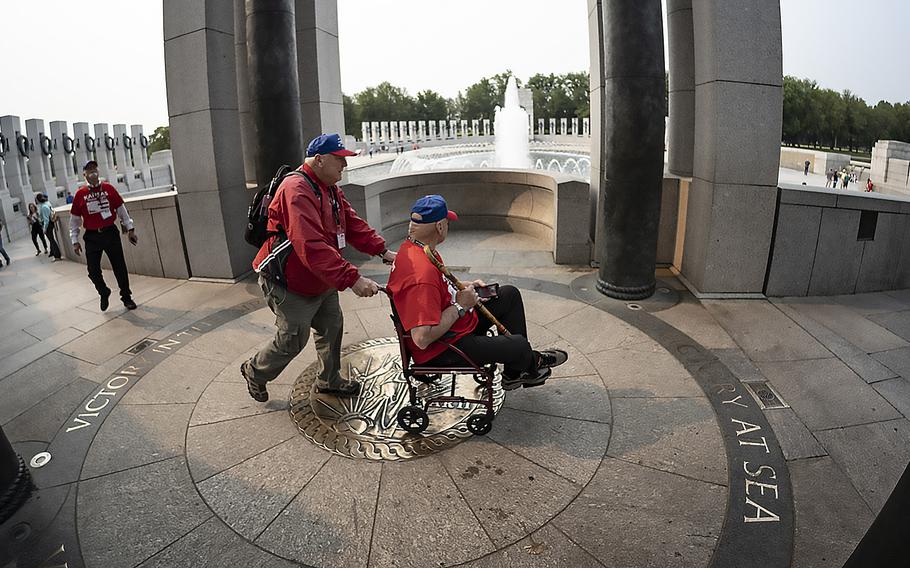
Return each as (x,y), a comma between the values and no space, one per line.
(512,149)
(511,129)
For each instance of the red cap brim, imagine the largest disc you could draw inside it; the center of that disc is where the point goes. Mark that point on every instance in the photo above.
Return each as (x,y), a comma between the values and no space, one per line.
(344,153)
(452,216)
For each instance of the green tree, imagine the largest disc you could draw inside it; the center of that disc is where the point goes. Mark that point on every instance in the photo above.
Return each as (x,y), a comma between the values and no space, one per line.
(351,116)
(430,105)
(385,102)
(481,99)
(578,87)
(160,139)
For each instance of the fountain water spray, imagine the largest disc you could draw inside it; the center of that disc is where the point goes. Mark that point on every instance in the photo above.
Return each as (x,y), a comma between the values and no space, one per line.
(512,132)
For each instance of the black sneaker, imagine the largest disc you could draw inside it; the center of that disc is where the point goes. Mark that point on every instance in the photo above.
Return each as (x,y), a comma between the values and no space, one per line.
(344,388)
(256,390)
(129,303)
(105,301)
(527,379)
(551,358)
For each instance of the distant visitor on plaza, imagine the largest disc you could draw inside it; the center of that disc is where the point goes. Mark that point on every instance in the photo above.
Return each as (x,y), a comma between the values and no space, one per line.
(96,208)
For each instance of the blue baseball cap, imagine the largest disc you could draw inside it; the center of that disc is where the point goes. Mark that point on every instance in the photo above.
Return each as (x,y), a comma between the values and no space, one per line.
(328,144)
(431,208)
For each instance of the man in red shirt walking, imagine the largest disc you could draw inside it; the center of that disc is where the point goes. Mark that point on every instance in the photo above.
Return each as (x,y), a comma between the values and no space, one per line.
(310,214)
(96,207)
(433,311)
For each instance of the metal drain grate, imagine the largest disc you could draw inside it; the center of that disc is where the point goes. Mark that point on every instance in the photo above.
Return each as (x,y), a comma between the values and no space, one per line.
(765,395)
(140,347)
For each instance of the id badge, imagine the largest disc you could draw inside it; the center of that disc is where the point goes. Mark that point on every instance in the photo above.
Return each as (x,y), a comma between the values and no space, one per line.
(341,242)
(105,213)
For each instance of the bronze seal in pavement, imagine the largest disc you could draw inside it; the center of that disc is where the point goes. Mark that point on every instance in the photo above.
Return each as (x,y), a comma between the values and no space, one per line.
(366,426)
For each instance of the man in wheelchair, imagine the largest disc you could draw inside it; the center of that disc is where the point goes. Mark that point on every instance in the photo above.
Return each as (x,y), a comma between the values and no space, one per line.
(434,311)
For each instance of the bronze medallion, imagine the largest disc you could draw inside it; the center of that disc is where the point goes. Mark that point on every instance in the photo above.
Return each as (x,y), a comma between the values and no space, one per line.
(366,426)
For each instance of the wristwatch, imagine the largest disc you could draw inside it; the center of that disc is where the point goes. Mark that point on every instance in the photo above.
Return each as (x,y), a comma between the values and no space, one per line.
(461,310)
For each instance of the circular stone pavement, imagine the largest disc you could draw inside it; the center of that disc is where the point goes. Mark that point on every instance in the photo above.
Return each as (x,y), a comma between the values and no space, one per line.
(620,459)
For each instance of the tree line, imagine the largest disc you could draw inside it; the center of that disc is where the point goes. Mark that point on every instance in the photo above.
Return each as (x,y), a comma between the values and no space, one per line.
(813,116)
(555,96)
(825,118)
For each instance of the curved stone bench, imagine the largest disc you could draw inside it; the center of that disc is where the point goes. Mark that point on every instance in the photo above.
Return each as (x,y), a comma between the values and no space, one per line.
(551,208)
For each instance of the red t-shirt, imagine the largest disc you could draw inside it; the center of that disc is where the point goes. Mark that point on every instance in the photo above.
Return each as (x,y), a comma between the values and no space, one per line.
(421,293)
(97,206)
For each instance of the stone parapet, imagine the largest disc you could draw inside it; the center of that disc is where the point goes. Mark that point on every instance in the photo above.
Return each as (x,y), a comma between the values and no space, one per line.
(829,242)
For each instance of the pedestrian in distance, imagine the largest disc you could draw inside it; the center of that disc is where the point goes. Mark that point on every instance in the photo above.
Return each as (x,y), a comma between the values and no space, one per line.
(49,225)
(34,224)
(310,215)
(2,250)
(806,169)
(96,208)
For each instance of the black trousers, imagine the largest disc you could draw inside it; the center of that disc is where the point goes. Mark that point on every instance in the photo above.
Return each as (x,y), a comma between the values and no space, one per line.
(55,248)
(36,234)
(107,241)
(513,351)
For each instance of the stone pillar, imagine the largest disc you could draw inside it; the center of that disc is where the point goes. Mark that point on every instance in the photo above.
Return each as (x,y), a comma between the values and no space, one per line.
(738,102)
(321,106)
(384,129)
(552,126)
(412,129)
(586,127)
(628,73)
(475,127)
(575,126)
(9,211)
(540,127)
(15,480)
(141,154)
(85,146)
(62,157)
(16,169)
(486,127)
(453,128)
(563,126)
(274,87)
(433,130)
(374,130)
(421,130)
(681,122)
(464,128)
(123,149)
(241,58)
(39,159)
(104,155)
(205,136)
(365,132)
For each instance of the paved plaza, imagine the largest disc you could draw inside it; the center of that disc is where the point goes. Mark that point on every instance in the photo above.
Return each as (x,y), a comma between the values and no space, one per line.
(648,448)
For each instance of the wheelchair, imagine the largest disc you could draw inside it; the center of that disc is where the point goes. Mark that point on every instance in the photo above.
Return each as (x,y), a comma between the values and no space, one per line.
(414,418)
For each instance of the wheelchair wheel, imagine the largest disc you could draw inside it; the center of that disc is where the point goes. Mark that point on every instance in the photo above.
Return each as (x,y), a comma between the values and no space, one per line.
(413,419)
(480,424)
(480,379)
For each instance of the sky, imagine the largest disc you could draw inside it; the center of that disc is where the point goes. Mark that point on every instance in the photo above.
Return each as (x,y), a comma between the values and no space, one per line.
(103,60)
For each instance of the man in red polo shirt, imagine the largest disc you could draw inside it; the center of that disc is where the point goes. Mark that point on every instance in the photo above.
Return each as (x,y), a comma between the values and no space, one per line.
(96,207)
(433,311)
(310,214)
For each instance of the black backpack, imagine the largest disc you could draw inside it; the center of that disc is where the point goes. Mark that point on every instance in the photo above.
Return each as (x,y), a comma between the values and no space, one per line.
(256,231)
(272,266)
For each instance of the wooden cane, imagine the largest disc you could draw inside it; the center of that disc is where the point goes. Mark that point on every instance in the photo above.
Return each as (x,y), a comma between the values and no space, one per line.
(457,283)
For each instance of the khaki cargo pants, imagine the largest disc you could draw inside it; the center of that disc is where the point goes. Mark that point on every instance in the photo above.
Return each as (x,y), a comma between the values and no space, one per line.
(294,316)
